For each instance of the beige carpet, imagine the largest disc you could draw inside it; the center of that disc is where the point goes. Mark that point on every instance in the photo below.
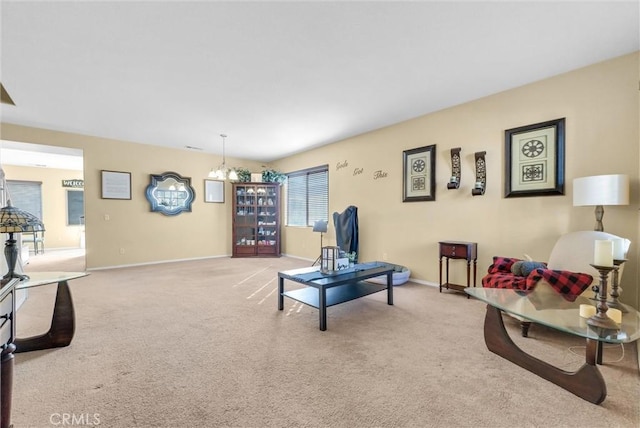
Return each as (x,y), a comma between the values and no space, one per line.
(202,344)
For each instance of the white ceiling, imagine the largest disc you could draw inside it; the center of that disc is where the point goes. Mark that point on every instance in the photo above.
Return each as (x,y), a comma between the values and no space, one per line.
(281,77)
(40,156)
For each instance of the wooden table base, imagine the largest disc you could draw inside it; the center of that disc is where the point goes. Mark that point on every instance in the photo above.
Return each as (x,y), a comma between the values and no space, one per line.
(587,382)
(62,325)
(6,385)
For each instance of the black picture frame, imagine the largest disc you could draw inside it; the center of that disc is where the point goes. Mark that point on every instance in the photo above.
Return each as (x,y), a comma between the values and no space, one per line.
(115,185)
(214,191)
(419,174)
(535,159)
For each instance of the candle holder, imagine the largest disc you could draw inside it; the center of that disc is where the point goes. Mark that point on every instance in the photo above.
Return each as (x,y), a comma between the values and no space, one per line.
(600,319)
(454,182)
(481,174)
(615,290)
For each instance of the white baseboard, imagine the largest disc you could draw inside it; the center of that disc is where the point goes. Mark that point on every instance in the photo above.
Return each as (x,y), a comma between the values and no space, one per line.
(157,263)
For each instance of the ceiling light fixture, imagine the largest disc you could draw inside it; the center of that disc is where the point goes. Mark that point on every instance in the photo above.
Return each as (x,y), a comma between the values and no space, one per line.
(222,172)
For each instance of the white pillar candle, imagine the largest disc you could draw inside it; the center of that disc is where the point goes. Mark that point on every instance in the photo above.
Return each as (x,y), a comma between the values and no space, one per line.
(603,254)
(587,311)
(618,249)
(615,314)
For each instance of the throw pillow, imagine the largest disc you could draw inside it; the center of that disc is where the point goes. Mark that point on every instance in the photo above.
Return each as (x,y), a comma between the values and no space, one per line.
(524,267)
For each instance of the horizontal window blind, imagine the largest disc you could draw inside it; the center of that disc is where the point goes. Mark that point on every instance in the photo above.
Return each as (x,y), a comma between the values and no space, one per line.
(26,195)
(308,196)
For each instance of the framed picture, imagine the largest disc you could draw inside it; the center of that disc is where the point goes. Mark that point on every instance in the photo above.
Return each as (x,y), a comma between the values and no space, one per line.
(116,185)
(214,191)
(535,160)
(419,174)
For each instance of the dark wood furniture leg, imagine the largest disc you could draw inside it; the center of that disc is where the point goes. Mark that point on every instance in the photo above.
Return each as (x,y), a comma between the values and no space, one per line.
(63,325)
(475,271)
(469,275)
(524,326)
(322,307)
(587,382)
(440,271)
(6,385)
(280,291)
(447,273)
(390,288)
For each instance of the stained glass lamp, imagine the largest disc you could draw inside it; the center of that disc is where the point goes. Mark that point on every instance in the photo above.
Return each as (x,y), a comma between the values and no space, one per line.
(14,220)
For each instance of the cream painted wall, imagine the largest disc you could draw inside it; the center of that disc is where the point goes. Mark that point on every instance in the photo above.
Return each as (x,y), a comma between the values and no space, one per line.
(600,104)
(133,234)
(54,201)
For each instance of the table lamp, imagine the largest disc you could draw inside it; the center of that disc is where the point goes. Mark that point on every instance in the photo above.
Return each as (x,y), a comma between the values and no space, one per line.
(14,220)
(601,190)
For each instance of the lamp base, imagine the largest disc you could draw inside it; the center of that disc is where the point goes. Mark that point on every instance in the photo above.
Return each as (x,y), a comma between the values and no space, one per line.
(11,254)
(599,211)
(10,275)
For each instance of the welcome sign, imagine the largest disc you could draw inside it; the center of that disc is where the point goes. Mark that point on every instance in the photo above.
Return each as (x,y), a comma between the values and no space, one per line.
(73,183)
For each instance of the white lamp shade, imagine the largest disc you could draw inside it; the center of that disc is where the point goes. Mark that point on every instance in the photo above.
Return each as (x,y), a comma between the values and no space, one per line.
(601,190)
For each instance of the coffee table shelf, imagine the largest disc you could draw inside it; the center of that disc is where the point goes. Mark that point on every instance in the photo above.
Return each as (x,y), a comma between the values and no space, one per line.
(336,295)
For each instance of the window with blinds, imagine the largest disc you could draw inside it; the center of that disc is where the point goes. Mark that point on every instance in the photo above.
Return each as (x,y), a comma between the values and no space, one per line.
(26,195)
(308,196)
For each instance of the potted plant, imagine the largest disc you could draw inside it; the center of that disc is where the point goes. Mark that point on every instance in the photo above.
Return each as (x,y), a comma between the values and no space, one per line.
(273,176)
(244,175)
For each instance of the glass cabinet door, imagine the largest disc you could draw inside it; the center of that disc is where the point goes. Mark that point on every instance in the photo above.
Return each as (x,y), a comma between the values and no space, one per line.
(267,212)
(245,216)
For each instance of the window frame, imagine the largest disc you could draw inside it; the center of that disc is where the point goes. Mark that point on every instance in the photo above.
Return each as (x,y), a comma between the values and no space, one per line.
(307,172)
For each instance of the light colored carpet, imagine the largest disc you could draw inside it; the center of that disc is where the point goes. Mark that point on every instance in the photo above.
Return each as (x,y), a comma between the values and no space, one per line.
(202,344)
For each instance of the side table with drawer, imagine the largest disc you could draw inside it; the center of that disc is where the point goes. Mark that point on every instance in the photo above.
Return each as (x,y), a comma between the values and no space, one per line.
(458,250)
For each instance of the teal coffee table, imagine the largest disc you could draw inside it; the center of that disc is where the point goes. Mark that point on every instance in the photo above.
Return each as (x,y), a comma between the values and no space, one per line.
(544,306)
(323,290)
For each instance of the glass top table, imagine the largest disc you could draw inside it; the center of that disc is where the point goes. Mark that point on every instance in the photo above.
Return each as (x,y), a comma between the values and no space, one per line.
(37,279)
(544,306)
(63,324)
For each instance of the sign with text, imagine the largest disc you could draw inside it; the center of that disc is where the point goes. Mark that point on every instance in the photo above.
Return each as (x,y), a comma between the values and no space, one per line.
(73,183)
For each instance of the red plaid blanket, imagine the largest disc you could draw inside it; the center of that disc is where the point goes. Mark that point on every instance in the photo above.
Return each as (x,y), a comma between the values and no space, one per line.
(569,284)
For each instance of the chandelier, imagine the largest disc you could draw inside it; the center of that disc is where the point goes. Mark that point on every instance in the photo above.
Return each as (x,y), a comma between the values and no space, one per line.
(222,172)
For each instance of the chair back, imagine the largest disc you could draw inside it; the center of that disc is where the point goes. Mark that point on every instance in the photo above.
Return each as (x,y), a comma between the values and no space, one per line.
(574,251)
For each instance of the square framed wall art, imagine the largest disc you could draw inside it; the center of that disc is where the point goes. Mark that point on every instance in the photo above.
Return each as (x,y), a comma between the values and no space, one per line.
(535,159)
(214,191)
(419,174)
(115,185)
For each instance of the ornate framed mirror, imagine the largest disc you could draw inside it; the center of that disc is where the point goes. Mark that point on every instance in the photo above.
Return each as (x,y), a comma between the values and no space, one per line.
(170,193)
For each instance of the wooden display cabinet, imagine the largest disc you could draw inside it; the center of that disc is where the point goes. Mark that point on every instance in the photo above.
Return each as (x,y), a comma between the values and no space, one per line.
(256,220)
